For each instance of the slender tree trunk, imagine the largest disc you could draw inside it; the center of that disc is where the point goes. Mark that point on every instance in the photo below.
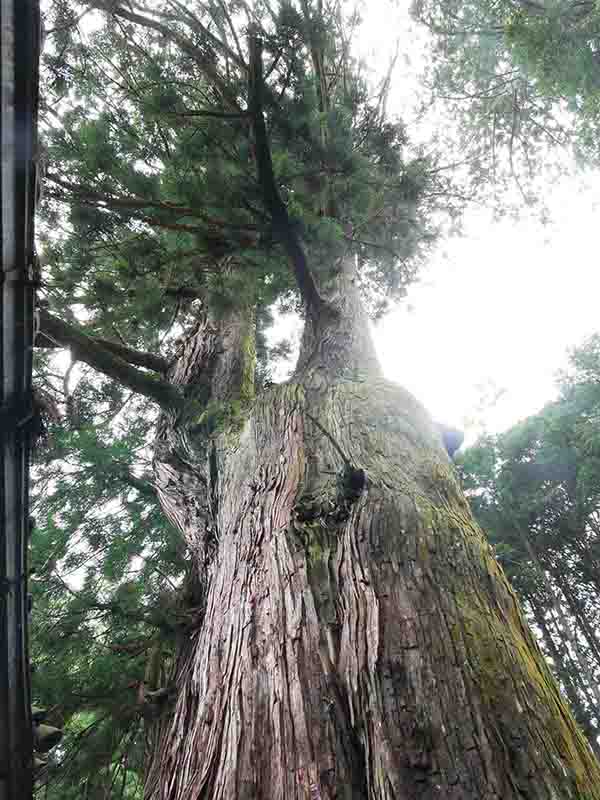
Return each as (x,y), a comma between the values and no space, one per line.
(583,622)
(356,637)
(583,665)
(559,611)
(565,670)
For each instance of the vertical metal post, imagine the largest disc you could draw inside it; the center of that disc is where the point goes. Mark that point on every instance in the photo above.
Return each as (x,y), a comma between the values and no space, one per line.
(19,59)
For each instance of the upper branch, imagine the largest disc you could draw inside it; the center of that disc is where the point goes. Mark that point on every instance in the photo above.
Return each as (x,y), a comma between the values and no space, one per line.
(90,196)
(168,32)
(266,178)
(106,360)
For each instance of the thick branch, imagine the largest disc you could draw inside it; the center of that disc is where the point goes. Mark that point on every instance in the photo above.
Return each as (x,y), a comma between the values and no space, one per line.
(138,358)
(102,359)
(266,178)
(169,33)
(87,195)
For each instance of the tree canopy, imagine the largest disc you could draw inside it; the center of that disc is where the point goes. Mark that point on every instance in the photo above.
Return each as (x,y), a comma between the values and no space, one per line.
(200,158)
(521,80)
(165,197)
(535,489)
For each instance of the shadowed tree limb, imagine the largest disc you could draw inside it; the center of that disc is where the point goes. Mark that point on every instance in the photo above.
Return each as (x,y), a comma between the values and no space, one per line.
(266,178)
(138,358)
(103,359)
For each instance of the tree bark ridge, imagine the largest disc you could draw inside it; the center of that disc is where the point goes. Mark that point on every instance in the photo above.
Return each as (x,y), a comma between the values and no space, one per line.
(214,369)
(358,644)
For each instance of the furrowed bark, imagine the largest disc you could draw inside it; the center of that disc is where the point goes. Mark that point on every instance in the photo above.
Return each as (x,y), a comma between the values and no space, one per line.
(105,360)
(215,368)
(338,344)
(357,638)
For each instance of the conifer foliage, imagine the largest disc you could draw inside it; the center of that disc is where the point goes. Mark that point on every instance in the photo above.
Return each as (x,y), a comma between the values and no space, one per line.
(536,491)
(246,589)
(152,210)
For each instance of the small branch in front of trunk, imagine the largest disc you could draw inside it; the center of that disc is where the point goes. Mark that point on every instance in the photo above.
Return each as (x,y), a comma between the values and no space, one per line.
(143,485)
(282,226)
(354,479)
(326,433)
(103,359)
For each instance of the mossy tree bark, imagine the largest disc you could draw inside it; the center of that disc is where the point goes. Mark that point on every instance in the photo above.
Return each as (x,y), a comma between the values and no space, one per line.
(355,637)
(350,634)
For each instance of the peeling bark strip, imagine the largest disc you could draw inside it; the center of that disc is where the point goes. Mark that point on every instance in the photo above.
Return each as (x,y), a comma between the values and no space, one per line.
(377,653)
(214,369)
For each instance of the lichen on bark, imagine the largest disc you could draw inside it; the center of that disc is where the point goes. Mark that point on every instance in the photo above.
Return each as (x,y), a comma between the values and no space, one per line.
(357,638)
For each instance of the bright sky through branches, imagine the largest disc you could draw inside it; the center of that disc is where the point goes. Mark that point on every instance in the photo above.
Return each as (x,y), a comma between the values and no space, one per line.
(501,308)
(498,308)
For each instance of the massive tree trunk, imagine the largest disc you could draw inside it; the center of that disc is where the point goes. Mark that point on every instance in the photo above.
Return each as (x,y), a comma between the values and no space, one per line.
(354,636)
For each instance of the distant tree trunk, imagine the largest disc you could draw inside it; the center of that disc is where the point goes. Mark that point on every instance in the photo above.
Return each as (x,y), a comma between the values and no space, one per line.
(569,676)
(585,625)
(356,637)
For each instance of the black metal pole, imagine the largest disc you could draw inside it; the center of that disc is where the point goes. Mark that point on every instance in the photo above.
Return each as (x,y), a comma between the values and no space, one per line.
(19,60)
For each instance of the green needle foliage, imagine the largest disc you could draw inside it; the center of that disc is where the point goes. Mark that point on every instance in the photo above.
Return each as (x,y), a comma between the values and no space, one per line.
(152,213)
(521,78)
(153,174)
(536,491)
(104,566)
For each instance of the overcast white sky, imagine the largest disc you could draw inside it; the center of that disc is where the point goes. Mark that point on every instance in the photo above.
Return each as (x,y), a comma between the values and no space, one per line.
(507,301)
(501,310)
(498,309)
